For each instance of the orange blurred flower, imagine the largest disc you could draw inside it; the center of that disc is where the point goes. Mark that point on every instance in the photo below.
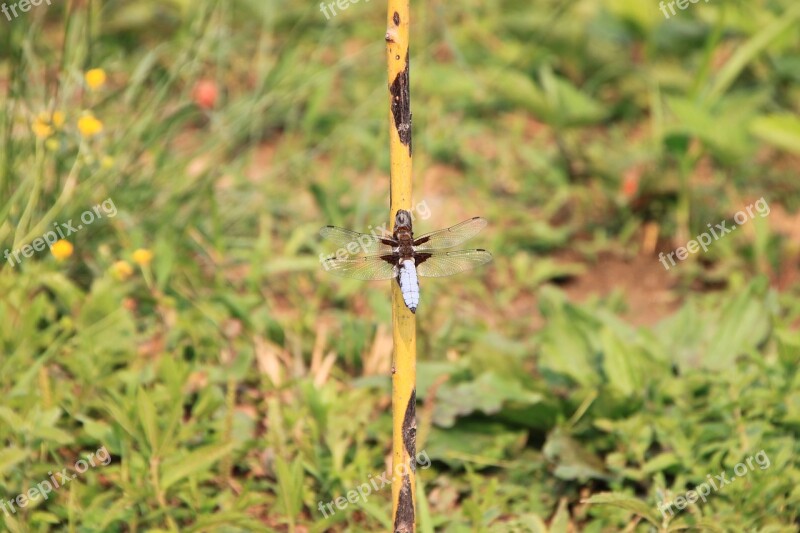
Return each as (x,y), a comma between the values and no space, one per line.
(630,182)
(205,94)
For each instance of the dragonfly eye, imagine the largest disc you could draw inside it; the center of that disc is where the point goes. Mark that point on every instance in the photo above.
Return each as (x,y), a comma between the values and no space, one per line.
(403,218)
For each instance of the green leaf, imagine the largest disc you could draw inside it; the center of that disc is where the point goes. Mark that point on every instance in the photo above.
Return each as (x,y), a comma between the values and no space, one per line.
(661,462)
(566,345)
(560,522)
(11,418)
(620,364)
(487,394)
(52,434)
(743,324)
(483,444)
(148,419)
(10,457)
(193,463)
(290,486)
(704,524)
(423,510)
(629,503)
(747,52)
(569,106)
(782,131)
(572,460)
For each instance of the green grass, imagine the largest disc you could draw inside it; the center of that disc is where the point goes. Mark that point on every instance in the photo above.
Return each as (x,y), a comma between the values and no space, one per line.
(572,385)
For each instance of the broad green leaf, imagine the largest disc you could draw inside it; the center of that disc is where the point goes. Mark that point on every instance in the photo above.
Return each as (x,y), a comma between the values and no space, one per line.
(743,324)
(11,418)
(290,486)
(782,131)
(10,457)
(572,460)
(620,365)
(148,419)
(560,522)
(479,443)
(425,519)
(661,462)
(629,503)
(193,463)
(487,394)
(566,347)
(52,434)
(704,524)
(747,52)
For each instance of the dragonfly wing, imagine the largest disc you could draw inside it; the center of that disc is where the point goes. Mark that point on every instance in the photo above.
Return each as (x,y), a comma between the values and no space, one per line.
(440,264)
(354,242)
(372,267)
(452,236)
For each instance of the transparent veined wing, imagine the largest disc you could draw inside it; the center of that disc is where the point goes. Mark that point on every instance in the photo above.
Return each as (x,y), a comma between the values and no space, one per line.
(452,236)
(354,242)
(440,264)
(372,267)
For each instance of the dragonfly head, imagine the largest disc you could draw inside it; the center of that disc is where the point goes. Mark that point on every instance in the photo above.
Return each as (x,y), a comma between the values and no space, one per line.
(402,220)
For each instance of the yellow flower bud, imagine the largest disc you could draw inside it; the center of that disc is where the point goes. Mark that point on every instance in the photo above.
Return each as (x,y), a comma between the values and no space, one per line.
(142,256)
(41,128)
(61,249)
(58,119)
(122,270)
(89,126)
(95,78)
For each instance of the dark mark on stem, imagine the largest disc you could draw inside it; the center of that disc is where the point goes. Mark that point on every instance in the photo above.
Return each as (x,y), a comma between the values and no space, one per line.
(396,18)
(401,106)
(410,430)
(404,520)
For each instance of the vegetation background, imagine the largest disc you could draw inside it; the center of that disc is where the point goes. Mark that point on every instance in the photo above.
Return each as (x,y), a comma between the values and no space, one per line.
(571,386)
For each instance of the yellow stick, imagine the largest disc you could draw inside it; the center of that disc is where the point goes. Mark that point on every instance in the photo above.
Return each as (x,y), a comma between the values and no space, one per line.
(404,326)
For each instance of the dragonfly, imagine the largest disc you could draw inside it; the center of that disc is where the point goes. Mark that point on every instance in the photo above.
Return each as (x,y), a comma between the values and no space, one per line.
(401,256)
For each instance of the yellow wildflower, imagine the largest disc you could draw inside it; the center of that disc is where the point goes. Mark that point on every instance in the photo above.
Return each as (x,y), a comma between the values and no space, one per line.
(89,126)
(142,256)
(122,270)
(61,249)
(95,78)
(41,127)
(58,119)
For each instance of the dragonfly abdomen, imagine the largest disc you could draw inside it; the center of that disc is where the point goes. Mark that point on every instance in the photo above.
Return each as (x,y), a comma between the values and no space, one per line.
(409,284)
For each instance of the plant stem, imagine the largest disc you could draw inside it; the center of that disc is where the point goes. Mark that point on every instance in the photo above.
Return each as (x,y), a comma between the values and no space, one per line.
(404,333)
